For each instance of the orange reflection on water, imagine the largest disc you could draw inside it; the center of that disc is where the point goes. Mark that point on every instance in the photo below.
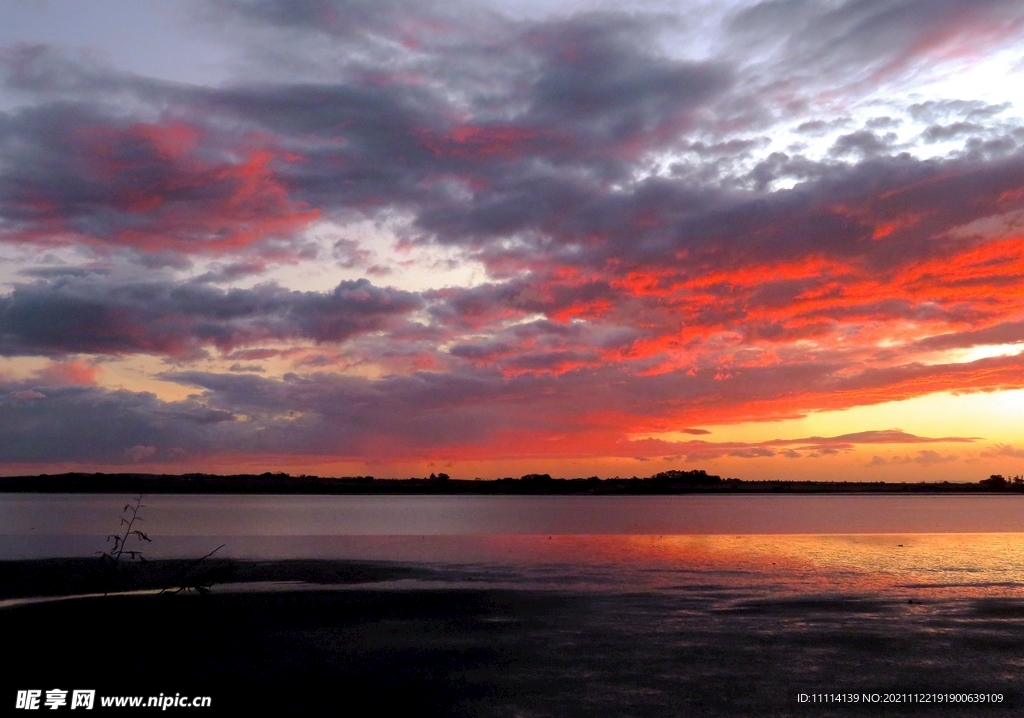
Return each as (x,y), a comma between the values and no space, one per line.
(909,566)
(941,565)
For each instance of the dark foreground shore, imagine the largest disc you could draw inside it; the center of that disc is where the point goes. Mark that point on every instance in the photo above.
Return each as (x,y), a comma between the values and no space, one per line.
(74,576)
(414,651)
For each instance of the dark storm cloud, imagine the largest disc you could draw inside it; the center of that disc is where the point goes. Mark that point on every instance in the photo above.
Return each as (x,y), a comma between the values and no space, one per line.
(71,423)
(116,316)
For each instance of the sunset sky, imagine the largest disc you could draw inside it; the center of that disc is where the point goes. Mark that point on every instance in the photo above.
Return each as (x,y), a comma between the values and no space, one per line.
(771,240)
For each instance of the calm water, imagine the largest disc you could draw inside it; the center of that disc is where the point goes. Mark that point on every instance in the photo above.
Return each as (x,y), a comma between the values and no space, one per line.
(71,514)
(905,545)
(698,605)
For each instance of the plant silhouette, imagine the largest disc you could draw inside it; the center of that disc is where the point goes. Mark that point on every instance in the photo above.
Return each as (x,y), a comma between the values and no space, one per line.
(129,520)
(187,579)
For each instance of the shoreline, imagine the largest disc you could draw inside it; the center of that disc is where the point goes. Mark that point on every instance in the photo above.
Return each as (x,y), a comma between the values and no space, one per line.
(76,576)
(665,484)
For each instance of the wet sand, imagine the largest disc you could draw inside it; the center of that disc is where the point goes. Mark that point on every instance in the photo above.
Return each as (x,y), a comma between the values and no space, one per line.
(71,576)
(376,649)
(429,653)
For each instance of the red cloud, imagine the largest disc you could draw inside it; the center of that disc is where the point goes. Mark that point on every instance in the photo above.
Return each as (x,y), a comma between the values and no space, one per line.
(70,373)
(156,187)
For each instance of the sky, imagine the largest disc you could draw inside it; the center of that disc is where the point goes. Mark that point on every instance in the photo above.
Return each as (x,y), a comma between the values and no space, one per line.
(771,240)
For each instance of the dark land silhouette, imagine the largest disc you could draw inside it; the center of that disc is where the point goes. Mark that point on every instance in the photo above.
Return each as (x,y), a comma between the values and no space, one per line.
(666,482)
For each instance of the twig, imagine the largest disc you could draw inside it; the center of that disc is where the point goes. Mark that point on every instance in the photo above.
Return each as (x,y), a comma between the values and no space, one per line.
(180,578)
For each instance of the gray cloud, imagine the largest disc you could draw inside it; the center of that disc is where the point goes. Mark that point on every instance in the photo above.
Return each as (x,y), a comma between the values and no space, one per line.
(50,423)
(1003,333)
(102,315)
(865,142)
(942,133)
(857,40)
(939,111)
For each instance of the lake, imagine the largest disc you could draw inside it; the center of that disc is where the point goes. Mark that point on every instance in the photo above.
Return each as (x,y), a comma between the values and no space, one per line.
(667,605)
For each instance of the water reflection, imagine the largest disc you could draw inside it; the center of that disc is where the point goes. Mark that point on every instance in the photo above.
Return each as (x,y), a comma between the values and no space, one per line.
(184,515)
(603,542)
(917,567)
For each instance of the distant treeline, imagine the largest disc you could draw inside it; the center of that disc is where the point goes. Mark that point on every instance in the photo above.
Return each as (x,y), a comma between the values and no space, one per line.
(665,482)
